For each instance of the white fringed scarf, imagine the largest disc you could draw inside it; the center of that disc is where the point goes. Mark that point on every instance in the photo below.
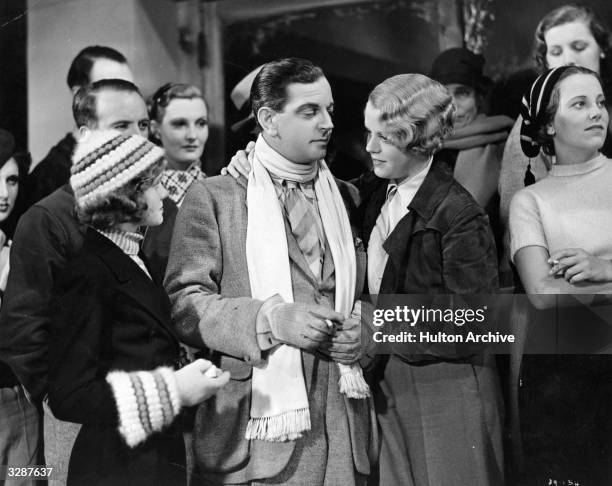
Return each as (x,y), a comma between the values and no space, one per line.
(279,404)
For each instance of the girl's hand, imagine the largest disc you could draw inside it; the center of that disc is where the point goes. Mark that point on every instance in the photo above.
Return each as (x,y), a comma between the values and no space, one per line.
(239,164)
(576,265)
(195,382)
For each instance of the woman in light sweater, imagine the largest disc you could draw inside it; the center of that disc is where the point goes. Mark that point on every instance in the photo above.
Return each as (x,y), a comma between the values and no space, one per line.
(561,244)
(568,35)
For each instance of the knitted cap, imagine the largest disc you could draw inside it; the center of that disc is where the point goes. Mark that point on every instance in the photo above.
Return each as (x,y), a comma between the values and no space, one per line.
(105,161)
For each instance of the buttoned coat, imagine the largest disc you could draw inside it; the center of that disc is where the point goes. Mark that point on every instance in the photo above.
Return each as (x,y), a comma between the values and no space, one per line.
(208,284)
(107,314)
(440,414)
(47,238)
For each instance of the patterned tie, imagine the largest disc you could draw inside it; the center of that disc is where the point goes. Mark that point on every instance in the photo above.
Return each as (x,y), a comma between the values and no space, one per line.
(377,256)
(303,224)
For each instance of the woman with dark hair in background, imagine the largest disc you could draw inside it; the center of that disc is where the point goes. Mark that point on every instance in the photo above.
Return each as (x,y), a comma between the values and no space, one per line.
(179,121)
(561,244)
(568,35)
(20,436)
(475,148)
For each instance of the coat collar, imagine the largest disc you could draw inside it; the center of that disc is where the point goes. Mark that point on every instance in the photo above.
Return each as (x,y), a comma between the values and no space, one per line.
(432,192)
(132,281)
(434,189)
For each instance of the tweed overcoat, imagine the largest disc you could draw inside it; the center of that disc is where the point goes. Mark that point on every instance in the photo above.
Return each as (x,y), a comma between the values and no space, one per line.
(208,284)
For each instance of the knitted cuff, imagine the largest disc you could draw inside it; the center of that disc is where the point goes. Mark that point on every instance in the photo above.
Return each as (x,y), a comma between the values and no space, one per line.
(147,401)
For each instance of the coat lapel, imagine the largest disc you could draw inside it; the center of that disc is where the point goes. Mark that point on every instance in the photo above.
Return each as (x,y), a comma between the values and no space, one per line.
(435,186)
(133,282)
(372,211)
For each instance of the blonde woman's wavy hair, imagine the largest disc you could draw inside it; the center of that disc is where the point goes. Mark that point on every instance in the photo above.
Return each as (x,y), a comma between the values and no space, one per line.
(417,111)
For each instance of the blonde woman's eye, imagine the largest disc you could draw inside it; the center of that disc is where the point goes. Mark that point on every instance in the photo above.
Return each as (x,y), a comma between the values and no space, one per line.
(579,46)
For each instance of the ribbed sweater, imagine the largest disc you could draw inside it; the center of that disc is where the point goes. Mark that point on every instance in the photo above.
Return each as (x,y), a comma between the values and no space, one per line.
(570,208)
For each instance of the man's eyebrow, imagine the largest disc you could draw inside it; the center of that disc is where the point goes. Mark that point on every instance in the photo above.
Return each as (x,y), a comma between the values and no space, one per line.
(308,106)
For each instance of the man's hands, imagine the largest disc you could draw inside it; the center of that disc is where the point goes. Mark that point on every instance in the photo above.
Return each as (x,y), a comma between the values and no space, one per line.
(240,165)
(304,326)
(345,344)
(315,328)
(576,265)
(196,382)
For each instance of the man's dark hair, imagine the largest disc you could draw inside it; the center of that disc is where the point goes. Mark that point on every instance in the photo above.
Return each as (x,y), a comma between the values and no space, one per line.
(80,69)
(84,101)
(269,86)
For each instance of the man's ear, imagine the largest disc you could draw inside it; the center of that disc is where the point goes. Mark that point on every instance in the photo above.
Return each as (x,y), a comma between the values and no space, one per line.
(84,132)
(268,120)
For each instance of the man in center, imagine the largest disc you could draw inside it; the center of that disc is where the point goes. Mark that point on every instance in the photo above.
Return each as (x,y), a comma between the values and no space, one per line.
(263,275)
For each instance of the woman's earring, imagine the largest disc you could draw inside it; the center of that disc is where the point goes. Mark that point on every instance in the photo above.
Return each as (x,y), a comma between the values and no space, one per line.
(602,55)
(550,131)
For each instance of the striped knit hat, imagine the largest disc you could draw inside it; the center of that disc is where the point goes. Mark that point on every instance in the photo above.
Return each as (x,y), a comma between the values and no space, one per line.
(533,106)
(105,161)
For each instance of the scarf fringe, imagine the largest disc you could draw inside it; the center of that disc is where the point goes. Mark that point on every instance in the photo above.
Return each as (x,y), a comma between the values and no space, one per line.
(279,428)
(352,383)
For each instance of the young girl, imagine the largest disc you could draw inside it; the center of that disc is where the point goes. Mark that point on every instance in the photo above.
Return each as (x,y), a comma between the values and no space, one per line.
(561,244)
(114,355)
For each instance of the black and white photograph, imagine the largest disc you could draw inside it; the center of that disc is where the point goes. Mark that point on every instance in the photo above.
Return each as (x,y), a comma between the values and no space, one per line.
(305,242)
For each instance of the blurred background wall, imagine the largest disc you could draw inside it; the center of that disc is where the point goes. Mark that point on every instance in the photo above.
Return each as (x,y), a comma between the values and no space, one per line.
(214,43)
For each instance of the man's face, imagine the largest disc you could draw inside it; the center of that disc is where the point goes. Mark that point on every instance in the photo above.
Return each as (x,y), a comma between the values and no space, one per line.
(124,111)
(304,125)
(108,69)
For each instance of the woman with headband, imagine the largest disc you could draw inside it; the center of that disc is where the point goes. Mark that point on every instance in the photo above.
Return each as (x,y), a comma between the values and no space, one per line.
(568,35)
(561,244)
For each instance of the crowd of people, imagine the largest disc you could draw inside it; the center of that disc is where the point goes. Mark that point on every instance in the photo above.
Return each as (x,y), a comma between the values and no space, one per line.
(158,326)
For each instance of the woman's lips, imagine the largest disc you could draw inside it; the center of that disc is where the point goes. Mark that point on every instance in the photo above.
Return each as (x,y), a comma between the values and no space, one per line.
(595,127)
